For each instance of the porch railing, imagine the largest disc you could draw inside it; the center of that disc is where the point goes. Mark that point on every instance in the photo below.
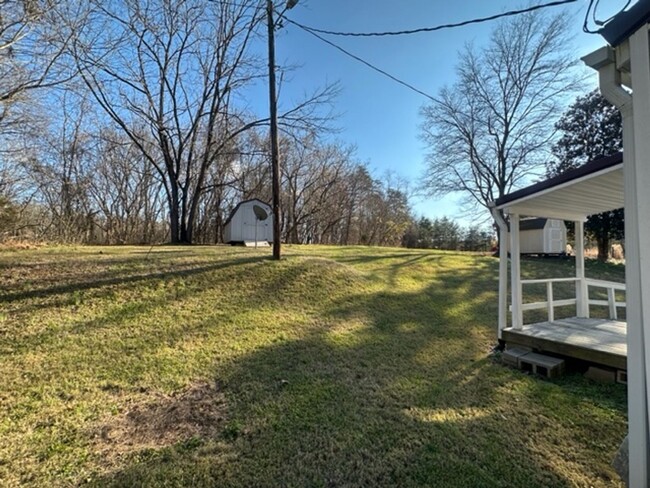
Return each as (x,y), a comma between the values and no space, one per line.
(551,302)
(611,302)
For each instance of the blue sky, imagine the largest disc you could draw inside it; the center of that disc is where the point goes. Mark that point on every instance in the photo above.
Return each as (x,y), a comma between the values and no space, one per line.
(378,115)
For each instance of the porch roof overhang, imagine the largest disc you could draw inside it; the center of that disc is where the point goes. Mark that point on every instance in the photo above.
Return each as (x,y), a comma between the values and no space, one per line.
(590,189)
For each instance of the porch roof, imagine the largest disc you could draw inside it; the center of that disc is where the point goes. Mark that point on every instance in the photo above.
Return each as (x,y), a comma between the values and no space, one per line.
(590,189)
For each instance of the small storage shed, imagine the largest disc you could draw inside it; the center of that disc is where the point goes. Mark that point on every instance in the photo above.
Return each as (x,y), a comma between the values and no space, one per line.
(250,221)
(542,236)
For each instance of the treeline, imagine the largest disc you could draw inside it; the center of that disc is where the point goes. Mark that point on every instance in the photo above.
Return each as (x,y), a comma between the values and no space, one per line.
(132,122)
(444,233)
(97,189)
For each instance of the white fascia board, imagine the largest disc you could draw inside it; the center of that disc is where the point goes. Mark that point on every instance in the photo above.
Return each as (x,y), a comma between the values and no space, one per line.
(561,186)
(532,211)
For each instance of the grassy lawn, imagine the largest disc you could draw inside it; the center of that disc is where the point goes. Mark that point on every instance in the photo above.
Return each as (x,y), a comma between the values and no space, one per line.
(337,367)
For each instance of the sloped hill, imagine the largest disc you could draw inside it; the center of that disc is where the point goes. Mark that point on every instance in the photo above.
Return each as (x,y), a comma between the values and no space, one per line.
(335,367)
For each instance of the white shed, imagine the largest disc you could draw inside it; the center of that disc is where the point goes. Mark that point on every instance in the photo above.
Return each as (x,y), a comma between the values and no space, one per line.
(542,236)
(250,221)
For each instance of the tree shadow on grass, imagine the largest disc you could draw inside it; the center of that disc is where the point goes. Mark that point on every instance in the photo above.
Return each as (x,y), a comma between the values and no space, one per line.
(390,389)
(99,282)
(371,258)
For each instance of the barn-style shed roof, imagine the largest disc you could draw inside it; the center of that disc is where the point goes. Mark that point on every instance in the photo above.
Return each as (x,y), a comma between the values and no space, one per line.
(537,223)
(592,188)
(532,224)
(234,210)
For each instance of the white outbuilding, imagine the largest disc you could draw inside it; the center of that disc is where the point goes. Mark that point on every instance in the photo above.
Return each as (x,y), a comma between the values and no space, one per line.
(251,221)
(542,236)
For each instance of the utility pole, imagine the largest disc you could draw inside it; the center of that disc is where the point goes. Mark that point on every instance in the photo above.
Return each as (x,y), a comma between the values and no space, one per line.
(275,158)
(273,108)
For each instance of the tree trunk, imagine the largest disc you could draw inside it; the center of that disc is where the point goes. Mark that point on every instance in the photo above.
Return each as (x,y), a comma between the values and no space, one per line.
(603,248)
(173,225)
(174,217)
(186,233)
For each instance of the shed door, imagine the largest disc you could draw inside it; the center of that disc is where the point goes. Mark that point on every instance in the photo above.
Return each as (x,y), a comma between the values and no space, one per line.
(249,223)
(556,241)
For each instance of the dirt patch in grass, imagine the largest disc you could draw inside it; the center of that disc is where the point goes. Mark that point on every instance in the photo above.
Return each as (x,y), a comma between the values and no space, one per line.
(196,412)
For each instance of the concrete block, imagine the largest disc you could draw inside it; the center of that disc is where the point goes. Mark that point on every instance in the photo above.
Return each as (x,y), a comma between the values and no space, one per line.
(621,377)
(601,375)
(542,365)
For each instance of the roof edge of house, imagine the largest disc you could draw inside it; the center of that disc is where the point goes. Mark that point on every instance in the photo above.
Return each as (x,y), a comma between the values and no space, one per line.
(626,22)
(586,169)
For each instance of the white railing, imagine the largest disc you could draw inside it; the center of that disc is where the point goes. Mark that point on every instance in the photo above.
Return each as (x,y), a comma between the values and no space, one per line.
(611,302)
(550,302)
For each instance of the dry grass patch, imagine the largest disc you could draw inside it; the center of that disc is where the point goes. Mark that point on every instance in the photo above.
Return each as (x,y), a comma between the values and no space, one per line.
(159,421)
(16,244)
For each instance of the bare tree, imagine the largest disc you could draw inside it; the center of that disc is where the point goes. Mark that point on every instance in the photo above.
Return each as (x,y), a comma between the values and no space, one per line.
(126,192)
(33,46)
(59,168)
(176,68)
(32,57)
(491,130)
(311,174)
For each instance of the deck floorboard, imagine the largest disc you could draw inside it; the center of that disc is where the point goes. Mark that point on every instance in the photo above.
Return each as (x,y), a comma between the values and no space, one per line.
(598,340)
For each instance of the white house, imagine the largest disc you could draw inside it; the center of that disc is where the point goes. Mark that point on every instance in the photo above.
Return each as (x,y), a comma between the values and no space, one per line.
(250,221)
(624,75)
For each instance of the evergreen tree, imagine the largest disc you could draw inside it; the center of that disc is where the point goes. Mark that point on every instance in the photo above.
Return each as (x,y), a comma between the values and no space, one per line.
(591,128)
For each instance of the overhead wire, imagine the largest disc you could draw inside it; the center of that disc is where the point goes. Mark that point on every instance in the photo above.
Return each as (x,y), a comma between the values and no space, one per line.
(316,33)
(509,13)
(585,24)
(592,10)
(603,22)
(363,61)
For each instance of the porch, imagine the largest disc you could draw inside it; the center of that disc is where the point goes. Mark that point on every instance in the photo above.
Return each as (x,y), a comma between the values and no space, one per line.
(574,316)
(597,340)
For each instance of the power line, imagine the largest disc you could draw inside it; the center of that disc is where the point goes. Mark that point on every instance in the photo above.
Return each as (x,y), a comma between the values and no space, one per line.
(315,32)
(363,61)
(435,28)
(592,9)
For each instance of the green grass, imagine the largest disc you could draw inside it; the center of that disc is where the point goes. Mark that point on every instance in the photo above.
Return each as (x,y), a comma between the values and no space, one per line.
(336,367)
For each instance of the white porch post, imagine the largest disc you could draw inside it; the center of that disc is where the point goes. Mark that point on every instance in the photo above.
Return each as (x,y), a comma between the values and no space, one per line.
(550,309)
(582,292)
(636,162)
(503,270)
(503,277)
(515,269)
(635,110)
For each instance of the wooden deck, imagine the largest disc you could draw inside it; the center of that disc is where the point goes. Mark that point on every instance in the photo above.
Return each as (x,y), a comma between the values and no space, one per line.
(595,340)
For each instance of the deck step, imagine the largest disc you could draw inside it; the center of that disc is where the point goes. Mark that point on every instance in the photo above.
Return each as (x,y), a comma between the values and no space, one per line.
(512,354)
(540,364)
